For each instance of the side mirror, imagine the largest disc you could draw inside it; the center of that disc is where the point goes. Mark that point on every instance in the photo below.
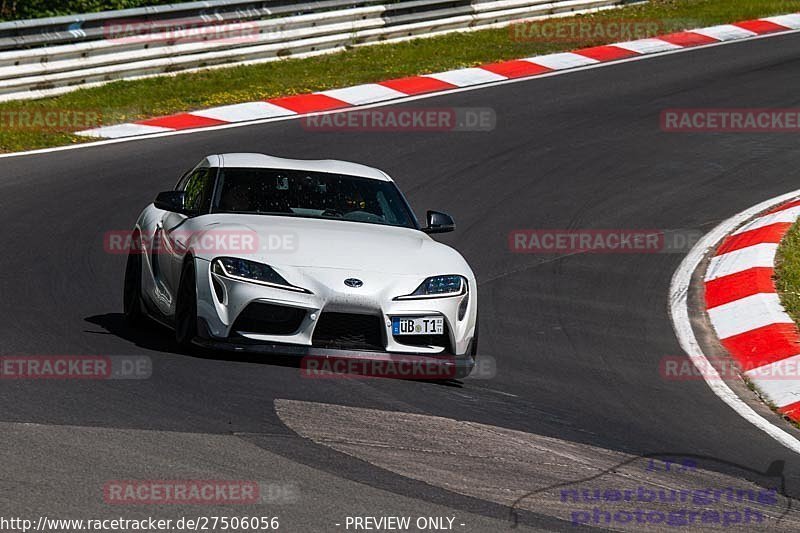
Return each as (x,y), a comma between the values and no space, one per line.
(171,201)
(439,223)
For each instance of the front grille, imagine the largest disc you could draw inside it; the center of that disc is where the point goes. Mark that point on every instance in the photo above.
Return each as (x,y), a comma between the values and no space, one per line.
(442,340)
(269,319)
(346,331)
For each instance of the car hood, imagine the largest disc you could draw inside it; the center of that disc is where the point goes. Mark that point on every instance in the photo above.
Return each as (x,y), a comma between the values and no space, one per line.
(336,244)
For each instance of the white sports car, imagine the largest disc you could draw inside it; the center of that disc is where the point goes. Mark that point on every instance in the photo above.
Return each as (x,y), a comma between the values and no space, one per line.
(259,253)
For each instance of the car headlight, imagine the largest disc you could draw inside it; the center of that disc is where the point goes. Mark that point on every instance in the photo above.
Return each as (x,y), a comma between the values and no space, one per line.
(438,287)
(252,272)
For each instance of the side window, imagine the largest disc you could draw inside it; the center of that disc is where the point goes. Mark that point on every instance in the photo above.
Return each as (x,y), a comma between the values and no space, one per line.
(199,188)
(182,183)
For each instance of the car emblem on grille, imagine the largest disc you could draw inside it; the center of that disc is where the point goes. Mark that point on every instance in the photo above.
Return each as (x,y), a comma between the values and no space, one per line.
(353,282)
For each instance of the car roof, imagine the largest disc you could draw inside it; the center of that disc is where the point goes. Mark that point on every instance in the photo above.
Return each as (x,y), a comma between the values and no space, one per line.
(331,166)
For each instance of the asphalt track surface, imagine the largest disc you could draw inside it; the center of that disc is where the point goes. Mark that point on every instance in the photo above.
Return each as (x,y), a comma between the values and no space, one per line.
(577,339)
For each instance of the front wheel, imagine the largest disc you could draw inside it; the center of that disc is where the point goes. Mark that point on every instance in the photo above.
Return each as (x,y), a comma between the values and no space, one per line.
(186,307)
(132,294)
(466,363)
(464,366)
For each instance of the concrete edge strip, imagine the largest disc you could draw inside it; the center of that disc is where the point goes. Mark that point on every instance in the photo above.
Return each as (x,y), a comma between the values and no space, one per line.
(371,93)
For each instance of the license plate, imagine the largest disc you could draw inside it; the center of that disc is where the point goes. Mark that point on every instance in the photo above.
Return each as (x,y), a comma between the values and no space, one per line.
(423,325)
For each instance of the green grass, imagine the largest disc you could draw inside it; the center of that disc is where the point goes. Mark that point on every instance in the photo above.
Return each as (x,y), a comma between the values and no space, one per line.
(787,272)
(787,279)
(125,101)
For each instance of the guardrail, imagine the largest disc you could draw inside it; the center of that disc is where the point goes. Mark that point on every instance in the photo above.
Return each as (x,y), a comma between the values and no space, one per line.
(48,56)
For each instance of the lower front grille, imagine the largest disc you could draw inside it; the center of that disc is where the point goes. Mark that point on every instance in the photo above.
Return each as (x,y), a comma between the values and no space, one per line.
(269,319)
(346,331)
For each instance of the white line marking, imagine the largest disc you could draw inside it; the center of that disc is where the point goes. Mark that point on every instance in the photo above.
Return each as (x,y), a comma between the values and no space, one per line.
(725,32)
(679,312)
(367,93)
(758,255)
(648,46)
(122,130)
(787,21)
(778,381)
(392,102)
(246,111)
(466,76)
(747,314)
(786,215)
(563,61)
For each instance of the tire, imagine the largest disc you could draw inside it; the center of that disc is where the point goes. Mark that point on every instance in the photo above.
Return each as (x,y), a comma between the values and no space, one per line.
(186,307)
(474,347)
(132,292)
(466,363)
(464,366)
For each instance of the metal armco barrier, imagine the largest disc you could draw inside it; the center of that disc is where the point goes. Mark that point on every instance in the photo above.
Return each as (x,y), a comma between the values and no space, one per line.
(42,57)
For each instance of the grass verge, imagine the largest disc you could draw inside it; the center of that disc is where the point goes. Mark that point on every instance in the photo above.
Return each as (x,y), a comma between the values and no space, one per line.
(787,272)
(126,101)
(787,281)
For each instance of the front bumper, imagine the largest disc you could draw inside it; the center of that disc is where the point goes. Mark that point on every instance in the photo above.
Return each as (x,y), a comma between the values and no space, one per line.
(322,363)
(222,303)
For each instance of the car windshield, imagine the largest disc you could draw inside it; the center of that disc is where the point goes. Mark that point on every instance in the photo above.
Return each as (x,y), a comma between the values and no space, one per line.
(311,195)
